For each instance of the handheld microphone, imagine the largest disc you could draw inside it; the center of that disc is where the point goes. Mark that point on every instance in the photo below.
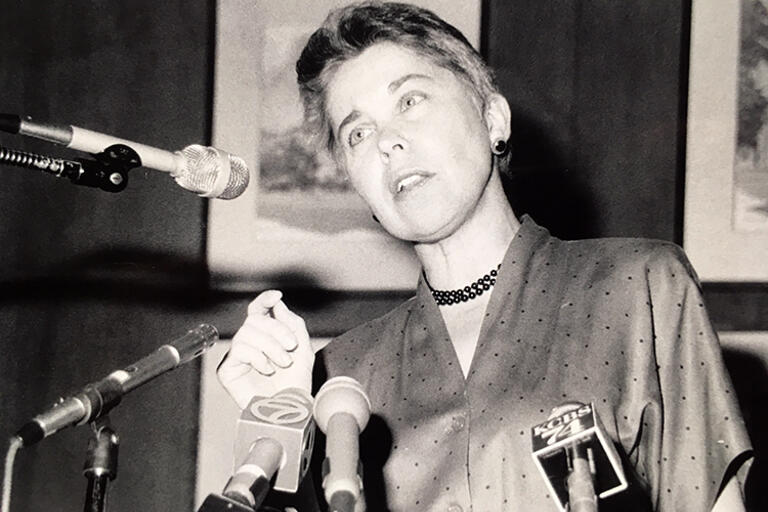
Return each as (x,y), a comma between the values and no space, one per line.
(342,410)
(275,437)
(577,458)
(206,171)
(98,398)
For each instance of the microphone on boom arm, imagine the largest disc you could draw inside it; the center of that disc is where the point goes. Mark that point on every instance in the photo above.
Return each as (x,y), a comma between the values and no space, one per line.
(207,171)
(98,398)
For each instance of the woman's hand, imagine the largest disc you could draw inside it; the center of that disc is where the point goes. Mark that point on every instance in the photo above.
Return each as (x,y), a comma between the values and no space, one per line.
(270,352)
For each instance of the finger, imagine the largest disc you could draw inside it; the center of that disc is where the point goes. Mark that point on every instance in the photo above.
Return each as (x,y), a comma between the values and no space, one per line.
(250,357)
(264,302)
(231,369)
(273,327)
(259,340)
(275,352)
(294,322)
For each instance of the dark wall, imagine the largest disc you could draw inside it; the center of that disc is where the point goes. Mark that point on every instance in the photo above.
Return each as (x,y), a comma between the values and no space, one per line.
(597,91)
(91,281)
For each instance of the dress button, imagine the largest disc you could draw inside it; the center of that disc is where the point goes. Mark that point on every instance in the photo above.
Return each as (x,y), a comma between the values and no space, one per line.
(458,423)
(454,508)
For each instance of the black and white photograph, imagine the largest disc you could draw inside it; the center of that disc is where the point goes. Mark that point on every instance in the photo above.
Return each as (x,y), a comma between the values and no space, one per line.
(372,255)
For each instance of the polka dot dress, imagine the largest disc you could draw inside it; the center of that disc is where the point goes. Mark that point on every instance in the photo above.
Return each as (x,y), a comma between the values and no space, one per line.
(617,322)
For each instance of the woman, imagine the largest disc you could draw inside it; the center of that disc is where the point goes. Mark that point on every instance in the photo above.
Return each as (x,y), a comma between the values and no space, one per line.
(508,322)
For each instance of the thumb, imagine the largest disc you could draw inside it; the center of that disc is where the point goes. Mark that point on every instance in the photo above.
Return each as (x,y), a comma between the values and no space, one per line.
(264,303)
(294,322)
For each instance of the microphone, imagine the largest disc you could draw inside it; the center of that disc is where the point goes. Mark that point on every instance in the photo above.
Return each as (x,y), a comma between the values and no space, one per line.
(275,436)
(207,171)
(577,458)
(342,410)
(98,398)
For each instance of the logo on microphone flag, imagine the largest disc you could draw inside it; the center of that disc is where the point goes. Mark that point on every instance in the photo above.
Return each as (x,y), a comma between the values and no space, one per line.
(280,409)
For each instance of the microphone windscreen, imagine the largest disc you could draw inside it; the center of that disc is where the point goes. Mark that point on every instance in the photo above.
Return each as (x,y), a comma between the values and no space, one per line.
(342,394)
(238,178)
(212,173)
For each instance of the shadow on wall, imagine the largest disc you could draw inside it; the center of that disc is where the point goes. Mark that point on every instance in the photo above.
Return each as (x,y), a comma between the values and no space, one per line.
(750,380)
(544,182)
(125,274)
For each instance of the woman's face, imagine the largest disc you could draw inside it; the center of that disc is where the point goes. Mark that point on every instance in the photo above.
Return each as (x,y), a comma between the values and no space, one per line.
(412,138)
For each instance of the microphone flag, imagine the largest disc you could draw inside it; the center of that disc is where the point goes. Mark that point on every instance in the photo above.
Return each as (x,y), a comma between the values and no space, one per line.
(581,427)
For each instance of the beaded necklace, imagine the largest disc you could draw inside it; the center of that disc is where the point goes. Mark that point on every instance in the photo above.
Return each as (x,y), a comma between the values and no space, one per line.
(472,291)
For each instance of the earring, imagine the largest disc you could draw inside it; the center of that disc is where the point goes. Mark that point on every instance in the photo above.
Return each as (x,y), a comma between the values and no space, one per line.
(499,147)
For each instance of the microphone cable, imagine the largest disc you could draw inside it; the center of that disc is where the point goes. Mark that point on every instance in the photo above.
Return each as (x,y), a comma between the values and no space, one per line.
(10,457)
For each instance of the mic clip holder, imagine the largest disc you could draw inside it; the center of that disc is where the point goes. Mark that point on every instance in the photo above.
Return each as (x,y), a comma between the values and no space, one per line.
(110,169)
(100,464)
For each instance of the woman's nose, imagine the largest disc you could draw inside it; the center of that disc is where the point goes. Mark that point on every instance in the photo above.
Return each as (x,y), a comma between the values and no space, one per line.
(390,142)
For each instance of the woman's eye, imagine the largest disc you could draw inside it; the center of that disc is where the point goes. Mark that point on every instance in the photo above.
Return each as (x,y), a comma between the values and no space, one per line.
(357,135)
(411,100)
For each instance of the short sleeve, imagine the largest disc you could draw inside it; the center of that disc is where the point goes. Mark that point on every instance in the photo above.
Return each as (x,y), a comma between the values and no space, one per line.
(696,431)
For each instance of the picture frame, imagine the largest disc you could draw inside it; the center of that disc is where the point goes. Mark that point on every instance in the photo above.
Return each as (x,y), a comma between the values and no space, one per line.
(720,244)
(301,237)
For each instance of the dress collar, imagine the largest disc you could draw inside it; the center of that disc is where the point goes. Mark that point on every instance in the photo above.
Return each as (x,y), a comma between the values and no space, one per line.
(528,237)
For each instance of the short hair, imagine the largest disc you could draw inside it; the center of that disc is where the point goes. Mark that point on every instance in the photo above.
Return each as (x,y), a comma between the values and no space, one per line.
(350,30)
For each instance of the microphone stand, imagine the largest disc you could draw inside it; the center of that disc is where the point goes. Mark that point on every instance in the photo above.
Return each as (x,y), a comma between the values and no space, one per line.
(100,464)
(108,172)
(580,484)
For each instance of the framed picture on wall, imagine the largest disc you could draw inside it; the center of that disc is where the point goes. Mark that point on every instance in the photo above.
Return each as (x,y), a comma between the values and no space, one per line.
(726,187)
(299,223)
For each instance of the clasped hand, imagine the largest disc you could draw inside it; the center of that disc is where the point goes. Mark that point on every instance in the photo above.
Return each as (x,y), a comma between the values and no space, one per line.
(270,352)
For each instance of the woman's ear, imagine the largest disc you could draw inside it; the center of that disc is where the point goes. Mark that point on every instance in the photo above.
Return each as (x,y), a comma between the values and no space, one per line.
(498,118)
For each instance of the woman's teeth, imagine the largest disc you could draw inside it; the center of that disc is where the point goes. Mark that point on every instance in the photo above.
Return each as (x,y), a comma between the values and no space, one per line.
(408,181)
